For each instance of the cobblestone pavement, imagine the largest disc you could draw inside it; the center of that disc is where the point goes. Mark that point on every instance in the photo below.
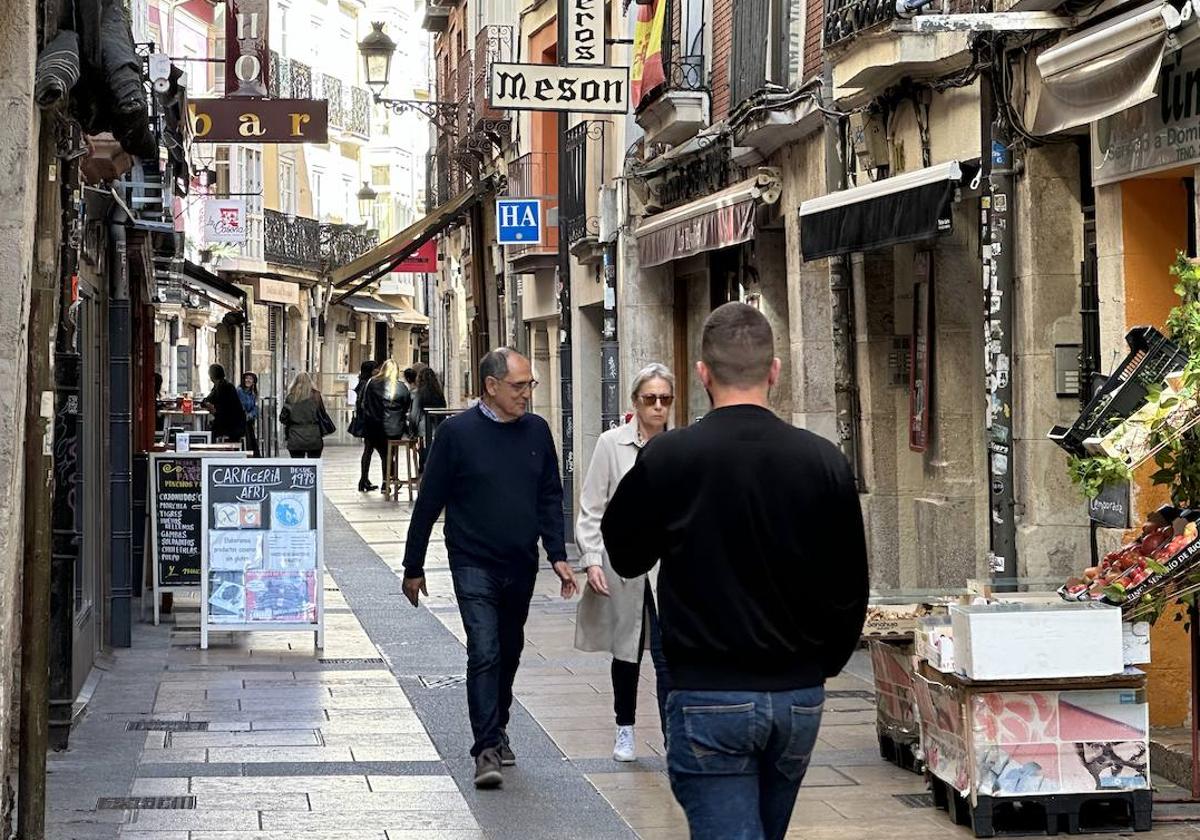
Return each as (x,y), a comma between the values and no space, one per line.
(268,739)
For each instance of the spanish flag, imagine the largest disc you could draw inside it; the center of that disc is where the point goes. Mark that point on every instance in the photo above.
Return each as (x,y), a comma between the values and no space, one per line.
(648,72)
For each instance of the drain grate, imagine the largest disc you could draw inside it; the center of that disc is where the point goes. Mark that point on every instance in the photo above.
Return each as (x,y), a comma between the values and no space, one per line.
(371,661)
(443,681)
(146,803)
(166,726)
(855,694)
(915,800)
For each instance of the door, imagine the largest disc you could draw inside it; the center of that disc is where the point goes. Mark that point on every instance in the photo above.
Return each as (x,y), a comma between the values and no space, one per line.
(90,493)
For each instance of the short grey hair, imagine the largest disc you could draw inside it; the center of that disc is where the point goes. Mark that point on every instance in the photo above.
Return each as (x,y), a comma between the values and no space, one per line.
(495,365)
(654,370)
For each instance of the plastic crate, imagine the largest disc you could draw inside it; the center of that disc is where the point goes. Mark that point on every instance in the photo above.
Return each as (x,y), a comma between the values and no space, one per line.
(1152,358)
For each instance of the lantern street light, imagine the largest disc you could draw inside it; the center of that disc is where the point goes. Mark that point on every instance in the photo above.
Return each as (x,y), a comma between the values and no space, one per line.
(377,50)
(366,200)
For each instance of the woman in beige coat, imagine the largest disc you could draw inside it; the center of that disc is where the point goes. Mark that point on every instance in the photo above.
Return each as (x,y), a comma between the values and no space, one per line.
(618,615)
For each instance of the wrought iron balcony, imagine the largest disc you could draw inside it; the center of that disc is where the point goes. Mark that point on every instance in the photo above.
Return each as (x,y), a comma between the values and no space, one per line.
(302,81)
(535,175)
(342,244)
(845,19)
(291,240)
(585,147)
(358,112)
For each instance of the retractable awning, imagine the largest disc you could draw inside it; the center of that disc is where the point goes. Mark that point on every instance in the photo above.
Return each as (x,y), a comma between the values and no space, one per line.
(1099,71)
(205,283)
(716,221)
(387,255)
(906,208)
(381,310)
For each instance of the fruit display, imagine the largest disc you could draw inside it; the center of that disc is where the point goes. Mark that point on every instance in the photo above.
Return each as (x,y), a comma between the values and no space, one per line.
(1168,544)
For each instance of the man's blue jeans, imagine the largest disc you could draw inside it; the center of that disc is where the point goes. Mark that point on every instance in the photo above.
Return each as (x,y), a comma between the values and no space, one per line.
(736,758)
(494,605)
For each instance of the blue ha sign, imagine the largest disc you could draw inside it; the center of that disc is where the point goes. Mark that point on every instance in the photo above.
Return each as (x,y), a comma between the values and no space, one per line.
(519,221)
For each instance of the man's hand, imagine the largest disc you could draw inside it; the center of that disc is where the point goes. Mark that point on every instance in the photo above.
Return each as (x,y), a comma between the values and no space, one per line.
(414,588)
(563,569)
(597,581)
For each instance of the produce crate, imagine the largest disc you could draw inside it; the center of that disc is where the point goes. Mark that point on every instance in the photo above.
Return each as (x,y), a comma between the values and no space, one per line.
(1152,358)
(1074,753)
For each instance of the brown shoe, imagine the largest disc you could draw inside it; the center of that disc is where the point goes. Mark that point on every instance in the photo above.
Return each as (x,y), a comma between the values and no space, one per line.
(487,769)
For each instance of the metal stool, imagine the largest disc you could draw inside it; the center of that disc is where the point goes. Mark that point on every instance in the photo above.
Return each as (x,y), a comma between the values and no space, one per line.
(391,469)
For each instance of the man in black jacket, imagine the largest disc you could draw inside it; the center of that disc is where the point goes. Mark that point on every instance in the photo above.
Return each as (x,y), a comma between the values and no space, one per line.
(762,590)
(228,416)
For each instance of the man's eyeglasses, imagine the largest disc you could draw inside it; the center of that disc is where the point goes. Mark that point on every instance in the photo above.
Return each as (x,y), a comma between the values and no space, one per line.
(521,387)
(649,400)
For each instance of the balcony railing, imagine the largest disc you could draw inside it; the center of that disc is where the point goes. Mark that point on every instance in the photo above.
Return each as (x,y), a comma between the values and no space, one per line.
(291,240)
(535,175)
(586,147)
(846,18)
(306,243)
(358,115)
(493,43)
(331,90)
(349,106)
(302,81)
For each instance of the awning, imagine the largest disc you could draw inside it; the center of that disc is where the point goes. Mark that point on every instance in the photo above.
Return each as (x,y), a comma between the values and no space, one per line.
(906,208)
(383,311)
(387,255)
(205,283)
(716,221)
(1100,71)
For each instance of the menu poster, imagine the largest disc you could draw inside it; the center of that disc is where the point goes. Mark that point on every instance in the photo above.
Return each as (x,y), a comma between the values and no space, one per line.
(262,545)
(175,515)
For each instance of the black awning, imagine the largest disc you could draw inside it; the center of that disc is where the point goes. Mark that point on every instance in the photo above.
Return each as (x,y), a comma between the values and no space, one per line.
(906,208)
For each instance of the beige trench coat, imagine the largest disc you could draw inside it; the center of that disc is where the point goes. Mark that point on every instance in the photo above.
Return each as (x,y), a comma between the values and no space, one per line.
(612,624)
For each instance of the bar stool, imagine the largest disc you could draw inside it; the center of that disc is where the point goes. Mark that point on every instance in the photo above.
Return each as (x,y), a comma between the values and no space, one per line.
(391,472)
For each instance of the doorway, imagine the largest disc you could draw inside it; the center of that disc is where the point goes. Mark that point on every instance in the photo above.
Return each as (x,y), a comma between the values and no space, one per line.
(91,517)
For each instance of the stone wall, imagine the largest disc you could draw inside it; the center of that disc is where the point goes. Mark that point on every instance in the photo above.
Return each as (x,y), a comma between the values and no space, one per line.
(18,162)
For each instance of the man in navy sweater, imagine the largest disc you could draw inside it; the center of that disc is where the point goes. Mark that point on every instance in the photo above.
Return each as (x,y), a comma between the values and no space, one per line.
(493,469)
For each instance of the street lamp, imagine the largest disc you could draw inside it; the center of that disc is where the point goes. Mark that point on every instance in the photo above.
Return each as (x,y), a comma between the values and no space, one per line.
(377,49)
(366,199)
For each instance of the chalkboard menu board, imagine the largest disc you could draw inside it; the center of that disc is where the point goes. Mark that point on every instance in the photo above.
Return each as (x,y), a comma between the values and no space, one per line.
(261,547)
(1110,509)
(175,520)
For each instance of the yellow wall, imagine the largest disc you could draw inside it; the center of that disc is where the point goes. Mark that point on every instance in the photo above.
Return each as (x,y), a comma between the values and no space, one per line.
(1154,228)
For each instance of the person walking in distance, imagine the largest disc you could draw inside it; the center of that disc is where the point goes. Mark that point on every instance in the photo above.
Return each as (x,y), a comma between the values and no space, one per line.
(359,428)
(762,585)
(248,394)
(228,417)
(617,615)
(428,395)
(495,472)
(385,406)
(301,418)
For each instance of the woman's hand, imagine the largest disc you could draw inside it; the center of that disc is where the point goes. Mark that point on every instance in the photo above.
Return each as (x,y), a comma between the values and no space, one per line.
(597,581)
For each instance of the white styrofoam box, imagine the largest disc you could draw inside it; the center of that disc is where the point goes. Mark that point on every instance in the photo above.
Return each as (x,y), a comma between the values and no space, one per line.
(1135,638)
(1037,641)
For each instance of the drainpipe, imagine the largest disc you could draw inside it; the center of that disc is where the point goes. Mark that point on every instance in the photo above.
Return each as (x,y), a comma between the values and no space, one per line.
(120,416)
(566,356)
(996,244)
(841,289)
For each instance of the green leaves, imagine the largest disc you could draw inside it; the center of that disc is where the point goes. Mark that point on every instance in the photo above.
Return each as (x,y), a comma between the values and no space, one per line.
(1091,475)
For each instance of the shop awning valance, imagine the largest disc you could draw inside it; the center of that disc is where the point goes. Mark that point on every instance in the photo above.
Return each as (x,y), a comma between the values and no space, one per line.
(906,208)
(381,310)
(387,255)
(716,221)
(1099,71)
(205,283)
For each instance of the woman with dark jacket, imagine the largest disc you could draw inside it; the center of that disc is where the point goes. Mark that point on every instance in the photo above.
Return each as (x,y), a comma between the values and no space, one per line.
(428,395)
(359,426)
(386,406)
(301,418)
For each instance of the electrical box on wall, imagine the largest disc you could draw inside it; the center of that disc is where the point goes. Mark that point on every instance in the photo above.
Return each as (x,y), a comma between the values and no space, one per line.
(1066,369)
(868,136)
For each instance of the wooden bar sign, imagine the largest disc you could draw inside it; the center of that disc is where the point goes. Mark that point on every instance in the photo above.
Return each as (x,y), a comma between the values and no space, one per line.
(260,120)
(247,53)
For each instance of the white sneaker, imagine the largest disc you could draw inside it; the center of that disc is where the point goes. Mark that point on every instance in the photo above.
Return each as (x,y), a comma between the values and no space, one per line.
(623,749)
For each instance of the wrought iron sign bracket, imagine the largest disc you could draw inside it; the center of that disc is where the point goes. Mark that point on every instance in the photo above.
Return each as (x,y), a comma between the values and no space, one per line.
(443,115)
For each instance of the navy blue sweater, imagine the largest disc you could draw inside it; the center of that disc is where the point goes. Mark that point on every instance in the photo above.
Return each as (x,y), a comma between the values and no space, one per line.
(500,487)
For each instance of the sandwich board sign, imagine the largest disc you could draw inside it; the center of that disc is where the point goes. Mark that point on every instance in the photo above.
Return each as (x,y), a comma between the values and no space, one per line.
(519,221)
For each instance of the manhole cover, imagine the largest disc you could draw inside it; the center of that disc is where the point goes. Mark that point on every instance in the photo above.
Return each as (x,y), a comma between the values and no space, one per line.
(443,681)
(915,800)
(146,803)
(166,726)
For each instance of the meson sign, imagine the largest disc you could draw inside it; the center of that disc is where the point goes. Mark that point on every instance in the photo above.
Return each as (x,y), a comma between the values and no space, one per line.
(585,32)
(550,87)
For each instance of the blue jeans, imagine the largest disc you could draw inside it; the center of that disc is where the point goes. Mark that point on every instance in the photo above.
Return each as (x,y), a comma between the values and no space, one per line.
(736,758)
(494,604)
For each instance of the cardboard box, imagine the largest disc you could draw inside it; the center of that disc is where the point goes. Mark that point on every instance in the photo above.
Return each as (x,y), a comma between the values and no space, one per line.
(1037,641)
(895,707)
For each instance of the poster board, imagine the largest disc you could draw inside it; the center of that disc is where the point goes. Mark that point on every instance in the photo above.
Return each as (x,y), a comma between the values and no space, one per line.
(262,557)
(173,544)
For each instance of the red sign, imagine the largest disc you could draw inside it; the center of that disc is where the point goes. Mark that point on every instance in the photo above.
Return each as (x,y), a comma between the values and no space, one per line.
(260,120)
(247,54)
(918,372)
(423,261)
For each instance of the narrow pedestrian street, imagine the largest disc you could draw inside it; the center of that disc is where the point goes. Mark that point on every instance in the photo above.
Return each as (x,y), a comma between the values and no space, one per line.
(263,738)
